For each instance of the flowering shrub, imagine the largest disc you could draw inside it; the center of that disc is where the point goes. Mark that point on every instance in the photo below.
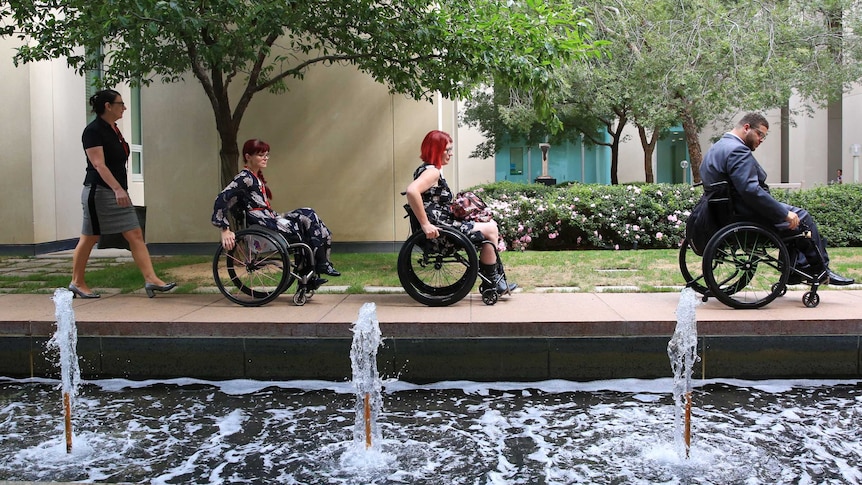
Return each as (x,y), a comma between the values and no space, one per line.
(646,216)
(837,210)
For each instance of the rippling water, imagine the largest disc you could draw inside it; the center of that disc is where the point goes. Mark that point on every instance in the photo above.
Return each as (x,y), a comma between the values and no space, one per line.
(555,432)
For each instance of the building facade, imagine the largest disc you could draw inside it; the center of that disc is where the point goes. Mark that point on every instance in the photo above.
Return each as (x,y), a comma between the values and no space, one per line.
(341,143)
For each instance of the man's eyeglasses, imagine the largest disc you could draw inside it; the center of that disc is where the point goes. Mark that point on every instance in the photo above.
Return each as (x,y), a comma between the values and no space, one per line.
(761,134)
(118,102)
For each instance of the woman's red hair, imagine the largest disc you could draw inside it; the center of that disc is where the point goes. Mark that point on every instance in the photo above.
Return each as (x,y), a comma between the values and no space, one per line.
(433,147)
(256,146)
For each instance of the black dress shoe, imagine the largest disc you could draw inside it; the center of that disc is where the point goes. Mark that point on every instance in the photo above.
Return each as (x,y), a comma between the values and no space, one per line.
(327,269)
(838,280)
(151,288)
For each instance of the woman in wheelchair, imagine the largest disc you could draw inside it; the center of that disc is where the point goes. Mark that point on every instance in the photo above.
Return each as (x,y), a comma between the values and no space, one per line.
(429,197)
(249,189)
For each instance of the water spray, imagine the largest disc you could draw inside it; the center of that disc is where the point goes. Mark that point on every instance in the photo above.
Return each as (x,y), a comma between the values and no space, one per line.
(366,380)
(682,350)
(65,340)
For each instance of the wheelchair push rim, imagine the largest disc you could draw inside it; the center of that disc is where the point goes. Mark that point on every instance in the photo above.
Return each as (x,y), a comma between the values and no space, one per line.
(746,265)
(438,272)
(689,259)
(255,271)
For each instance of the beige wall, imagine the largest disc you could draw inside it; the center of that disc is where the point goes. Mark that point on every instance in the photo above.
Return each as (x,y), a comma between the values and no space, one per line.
(42,160)
(852,134)
(15,150)
(340,143)
(472,170)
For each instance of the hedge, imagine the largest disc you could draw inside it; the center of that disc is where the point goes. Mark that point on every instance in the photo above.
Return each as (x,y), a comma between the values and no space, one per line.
(640,216)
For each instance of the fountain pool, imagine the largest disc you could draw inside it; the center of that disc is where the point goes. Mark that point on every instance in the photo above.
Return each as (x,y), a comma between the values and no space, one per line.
(555,432)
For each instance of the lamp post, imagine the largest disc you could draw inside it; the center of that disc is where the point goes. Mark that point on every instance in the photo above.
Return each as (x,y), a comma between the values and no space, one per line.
(855,150)
(684,165)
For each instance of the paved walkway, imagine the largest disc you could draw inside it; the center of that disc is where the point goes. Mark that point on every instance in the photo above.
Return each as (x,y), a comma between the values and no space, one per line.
(615,313)
(525,336)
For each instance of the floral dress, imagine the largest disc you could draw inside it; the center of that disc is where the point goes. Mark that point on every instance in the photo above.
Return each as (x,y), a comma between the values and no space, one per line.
(247,190)
(436,201)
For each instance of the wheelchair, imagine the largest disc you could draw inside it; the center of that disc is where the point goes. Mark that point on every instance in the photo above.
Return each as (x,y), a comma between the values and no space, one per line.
(746,264)
(262,265)
(442,271)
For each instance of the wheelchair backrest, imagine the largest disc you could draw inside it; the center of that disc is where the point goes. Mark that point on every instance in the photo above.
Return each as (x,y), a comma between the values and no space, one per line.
(414,222)
(713,211)
(237,217)
(721,203)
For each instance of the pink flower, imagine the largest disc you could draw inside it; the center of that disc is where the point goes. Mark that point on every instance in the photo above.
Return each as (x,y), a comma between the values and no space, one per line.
(659,235)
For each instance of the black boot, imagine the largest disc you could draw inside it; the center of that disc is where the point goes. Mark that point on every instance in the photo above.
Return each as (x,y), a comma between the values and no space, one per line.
(497,279)
(323,265)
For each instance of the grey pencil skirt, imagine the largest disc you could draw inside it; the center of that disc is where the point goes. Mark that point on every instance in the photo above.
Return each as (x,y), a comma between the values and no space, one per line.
(102,215)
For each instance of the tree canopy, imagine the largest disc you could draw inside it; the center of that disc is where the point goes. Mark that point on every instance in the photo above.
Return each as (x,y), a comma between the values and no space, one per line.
(415,47)
(696,62)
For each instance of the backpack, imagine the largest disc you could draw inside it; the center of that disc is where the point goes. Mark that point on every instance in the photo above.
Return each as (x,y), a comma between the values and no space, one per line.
(467,206)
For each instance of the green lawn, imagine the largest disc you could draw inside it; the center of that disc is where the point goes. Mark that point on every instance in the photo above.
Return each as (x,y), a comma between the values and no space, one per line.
(648,270)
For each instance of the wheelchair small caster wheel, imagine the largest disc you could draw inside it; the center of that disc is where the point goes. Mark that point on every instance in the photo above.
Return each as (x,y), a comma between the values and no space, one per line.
(780,289)
(489,297)
(810,299)
(300,297)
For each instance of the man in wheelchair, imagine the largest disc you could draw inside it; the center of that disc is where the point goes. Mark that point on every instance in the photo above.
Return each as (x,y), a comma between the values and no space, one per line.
(731,160)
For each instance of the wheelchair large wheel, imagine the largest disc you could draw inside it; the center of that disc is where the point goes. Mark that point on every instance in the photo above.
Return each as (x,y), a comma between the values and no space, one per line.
(438,272)
(689,259)
(255,271)
(745,265)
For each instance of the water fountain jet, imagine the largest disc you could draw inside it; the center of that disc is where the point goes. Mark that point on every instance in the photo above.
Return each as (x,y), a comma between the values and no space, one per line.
(682,350)
(366,380)
(65,341)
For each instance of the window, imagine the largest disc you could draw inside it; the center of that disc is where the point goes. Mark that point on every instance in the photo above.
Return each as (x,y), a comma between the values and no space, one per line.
(133,114)
(516,161)
(136,147)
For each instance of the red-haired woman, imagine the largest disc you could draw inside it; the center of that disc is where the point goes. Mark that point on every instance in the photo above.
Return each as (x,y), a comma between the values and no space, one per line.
(249,189)
(429,196)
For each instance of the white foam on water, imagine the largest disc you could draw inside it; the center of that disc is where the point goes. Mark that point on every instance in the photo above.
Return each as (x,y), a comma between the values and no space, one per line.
(555,432)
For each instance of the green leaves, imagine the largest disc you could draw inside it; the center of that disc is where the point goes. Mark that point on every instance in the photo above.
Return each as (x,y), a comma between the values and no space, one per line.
(414,46)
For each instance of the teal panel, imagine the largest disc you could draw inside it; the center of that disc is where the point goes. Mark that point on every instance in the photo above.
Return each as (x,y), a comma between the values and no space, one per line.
(670,151)
(567,162)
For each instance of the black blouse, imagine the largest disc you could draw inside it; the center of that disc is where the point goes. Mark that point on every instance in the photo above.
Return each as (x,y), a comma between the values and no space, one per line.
(99,133)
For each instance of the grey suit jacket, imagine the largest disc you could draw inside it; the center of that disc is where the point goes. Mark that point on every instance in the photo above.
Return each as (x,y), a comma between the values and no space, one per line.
(729,159)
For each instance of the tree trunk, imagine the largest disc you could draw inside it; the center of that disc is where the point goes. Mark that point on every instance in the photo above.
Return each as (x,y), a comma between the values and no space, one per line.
(228,130)
(229,155)
(649,148)
(616,136)
(695,155)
